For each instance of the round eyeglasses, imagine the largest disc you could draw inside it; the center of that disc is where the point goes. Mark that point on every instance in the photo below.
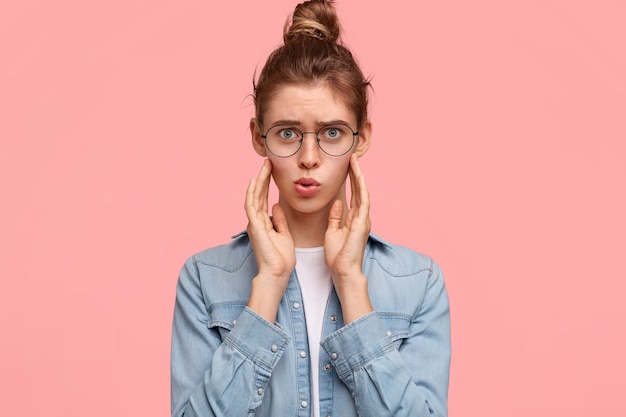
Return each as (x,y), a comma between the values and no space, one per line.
(285,140)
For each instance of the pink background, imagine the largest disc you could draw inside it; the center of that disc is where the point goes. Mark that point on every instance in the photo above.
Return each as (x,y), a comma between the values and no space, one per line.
(499,150)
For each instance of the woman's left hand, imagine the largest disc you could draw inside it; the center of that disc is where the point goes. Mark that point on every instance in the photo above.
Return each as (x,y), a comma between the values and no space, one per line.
(344,246)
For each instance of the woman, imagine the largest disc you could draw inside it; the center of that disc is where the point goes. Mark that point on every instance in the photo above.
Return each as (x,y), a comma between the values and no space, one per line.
(307,313)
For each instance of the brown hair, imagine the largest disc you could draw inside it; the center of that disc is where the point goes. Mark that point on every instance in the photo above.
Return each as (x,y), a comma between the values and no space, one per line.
(312,53)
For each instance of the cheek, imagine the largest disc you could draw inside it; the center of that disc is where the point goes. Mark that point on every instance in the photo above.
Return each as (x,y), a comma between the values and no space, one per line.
(342,168)
(280,168)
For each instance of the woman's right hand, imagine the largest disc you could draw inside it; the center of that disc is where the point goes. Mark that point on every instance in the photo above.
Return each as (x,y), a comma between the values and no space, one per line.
(272,244)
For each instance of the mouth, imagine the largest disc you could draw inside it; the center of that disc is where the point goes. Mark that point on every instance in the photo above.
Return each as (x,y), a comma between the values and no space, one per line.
(307,182)
(307,187)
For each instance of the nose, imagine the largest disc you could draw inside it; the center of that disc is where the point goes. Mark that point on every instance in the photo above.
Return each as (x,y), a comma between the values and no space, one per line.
(309,154)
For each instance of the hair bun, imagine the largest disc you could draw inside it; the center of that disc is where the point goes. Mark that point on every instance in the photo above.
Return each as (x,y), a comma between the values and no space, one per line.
(313,18)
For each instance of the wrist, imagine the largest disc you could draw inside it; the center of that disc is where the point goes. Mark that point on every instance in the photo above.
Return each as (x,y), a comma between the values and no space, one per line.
(265,295)
(354,297)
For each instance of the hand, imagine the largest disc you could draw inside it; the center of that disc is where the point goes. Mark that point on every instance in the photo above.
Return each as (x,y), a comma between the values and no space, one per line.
(344,246)
(272,244)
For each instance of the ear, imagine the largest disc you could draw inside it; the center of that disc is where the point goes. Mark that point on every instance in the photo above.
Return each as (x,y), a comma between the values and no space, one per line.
(257,141)
(365,137)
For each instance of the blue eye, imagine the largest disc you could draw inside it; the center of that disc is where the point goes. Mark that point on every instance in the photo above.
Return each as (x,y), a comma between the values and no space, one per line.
(287,133)
(332,132)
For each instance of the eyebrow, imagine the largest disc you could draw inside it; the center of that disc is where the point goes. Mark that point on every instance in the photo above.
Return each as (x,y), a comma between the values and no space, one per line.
(299,123)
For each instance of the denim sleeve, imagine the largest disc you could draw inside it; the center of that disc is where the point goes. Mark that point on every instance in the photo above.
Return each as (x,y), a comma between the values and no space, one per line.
(215,377)
(387,380)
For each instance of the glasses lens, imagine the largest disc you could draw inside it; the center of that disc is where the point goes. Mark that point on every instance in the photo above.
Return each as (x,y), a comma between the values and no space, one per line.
(336,139)
(282,140)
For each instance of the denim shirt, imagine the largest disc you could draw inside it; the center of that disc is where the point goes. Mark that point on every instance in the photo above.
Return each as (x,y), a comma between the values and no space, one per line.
(228,361)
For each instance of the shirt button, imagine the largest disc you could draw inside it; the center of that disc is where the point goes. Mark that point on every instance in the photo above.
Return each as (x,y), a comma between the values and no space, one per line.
(274,348)
(234,322)
(259,391)
(388,333)
(327,367)
(296,305)
(304,404)
(333,356)
(302,354)
(333,318)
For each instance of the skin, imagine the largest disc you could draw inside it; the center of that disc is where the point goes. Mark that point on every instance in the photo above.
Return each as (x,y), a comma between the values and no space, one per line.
(322,219)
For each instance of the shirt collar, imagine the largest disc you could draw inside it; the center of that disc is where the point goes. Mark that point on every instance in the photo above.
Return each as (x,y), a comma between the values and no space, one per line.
(372,236)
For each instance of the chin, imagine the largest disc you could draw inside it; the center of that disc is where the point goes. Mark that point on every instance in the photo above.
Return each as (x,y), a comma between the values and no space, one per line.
(308,208)
(307,205)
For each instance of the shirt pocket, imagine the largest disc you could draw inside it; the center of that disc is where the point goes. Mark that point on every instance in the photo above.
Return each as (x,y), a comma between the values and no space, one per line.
(397,326)
(223,316)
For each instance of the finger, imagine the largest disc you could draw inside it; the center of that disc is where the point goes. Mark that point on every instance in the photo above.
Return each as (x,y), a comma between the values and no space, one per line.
(279,219)
(362,194)
(267,165)
(262,187)
(249,203)
(355,171)
(335,216)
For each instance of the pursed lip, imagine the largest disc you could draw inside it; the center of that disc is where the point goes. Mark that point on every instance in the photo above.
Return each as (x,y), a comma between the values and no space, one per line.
(307,182)
(306,187)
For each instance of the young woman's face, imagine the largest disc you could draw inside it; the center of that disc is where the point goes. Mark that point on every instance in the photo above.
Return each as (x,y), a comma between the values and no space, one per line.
(310,180)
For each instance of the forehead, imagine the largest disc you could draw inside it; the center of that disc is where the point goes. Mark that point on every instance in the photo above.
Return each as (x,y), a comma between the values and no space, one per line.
(307,104)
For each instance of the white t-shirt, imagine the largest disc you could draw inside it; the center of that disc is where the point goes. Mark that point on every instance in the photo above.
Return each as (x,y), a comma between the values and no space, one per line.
(315,283)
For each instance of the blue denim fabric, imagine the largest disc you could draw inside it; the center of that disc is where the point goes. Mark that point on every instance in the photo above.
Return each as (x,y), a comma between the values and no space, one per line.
(228,361)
